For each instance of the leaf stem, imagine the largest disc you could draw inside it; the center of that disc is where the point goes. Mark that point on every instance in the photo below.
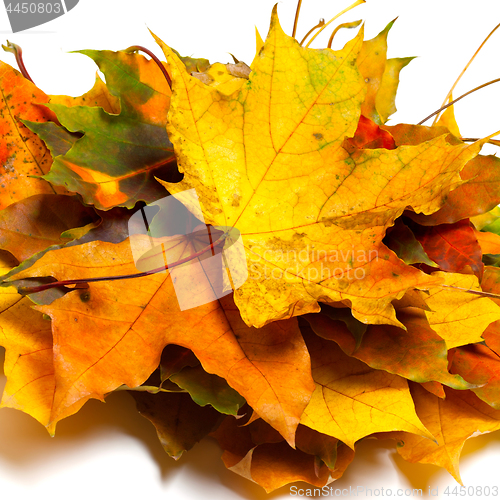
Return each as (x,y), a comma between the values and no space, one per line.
(495,142)
(465,69)
(18,52)
(136,48)
(321,23)
(354,24)
(458,99)
(35,289)
(347,9)
(296,20)
(152,389)
(474,292)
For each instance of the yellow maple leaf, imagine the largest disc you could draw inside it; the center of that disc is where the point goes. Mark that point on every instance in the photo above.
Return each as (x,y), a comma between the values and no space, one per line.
(457,316)
(452,420)
(268,160)
(352,400)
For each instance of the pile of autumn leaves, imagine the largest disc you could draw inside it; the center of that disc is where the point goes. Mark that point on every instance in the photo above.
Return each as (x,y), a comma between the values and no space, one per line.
(296,366)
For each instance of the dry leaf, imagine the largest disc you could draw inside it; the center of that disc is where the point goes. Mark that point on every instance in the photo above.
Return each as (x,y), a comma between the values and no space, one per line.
(308,211)
(22,153)
(440,416)
(141,316)
(352,400)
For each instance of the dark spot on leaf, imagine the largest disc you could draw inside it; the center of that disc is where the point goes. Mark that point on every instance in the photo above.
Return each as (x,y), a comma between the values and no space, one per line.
(318,136)
(84,297)
(236,200)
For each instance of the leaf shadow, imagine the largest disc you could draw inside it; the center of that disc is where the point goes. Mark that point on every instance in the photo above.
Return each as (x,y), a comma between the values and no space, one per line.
(249,490)
(27,448)
(395,472)
(371,454)
(24,443)
(427,476)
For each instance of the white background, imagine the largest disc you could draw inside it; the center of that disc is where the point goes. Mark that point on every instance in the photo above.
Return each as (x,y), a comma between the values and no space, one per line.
(108,449)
